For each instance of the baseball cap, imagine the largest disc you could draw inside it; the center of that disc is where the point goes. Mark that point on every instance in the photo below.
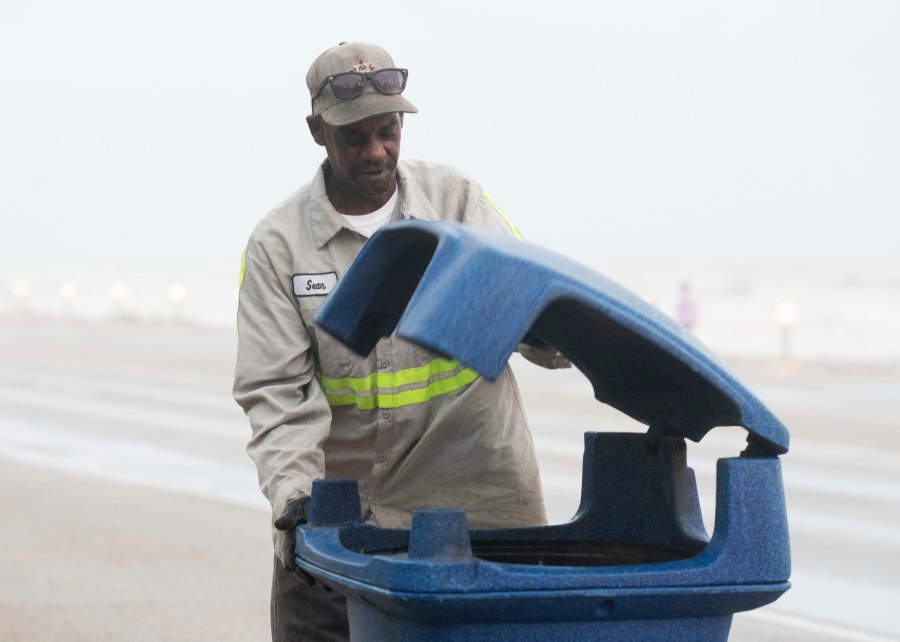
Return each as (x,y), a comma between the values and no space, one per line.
(352,56)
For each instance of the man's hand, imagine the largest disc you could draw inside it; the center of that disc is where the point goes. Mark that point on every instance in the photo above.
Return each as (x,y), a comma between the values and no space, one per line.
(544,356)
(295,513)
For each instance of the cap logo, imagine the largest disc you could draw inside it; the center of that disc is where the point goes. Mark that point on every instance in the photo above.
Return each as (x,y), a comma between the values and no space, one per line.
(363,66)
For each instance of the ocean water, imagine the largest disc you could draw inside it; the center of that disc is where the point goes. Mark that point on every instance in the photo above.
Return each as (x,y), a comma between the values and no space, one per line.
(842,311)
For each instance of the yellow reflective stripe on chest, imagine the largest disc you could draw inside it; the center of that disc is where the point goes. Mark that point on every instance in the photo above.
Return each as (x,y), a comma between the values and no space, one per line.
(395,389)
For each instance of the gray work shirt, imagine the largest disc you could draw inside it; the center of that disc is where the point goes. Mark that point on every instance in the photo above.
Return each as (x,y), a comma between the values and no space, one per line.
(417,430)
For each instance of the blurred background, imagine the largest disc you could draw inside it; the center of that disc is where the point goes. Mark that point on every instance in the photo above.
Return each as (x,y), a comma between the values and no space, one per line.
(736,165)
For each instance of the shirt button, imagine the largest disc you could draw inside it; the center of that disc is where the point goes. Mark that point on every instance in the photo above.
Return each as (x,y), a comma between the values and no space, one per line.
(373,500)
(385,414)
(384,363)
(382,458)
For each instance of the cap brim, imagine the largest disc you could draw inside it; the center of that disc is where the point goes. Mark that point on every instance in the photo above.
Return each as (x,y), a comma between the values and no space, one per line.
(346,112)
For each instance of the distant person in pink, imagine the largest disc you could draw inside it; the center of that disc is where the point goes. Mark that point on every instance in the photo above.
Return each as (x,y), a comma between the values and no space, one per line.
(686,310)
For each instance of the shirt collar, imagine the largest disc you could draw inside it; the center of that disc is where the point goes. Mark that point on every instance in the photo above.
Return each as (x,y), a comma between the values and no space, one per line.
(413,203)
(326,222)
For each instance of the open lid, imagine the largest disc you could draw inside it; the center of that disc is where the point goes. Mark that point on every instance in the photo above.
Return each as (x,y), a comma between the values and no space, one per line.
(474,296)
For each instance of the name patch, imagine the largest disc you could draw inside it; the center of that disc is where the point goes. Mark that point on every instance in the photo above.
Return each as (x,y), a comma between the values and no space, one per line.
(314,284)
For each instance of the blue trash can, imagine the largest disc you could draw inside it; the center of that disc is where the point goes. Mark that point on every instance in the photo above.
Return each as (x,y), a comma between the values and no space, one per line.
(635,562)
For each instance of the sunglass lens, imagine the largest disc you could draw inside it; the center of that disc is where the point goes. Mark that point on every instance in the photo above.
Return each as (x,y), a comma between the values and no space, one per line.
(346,86)
(389,81)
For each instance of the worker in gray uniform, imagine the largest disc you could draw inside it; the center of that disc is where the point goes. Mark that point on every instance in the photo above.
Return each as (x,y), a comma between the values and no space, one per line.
(415,428)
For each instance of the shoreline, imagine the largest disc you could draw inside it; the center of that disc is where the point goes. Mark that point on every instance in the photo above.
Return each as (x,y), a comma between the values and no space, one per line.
(886,367)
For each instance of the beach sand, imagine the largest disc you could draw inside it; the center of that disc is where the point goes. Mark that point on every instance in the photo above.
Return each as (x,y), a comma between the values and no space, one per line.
(87,559)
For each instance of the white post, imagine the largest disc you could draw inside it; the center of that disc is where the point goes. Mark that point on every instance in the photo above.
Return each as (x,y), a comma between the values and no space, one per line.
(786,314)
(21,290)
(68,290)
(177,296)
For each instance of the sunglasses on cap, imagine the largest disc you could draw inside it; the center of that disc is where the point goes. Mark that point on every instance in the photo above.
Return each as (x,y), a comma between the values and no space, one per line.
(352,83)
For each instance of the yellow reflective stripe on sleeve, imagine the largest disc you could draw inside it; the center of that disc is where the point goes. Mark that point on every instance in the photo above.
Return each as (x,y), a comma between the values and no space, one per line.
(382,390)
(237,292)
(512,227)
(243,268)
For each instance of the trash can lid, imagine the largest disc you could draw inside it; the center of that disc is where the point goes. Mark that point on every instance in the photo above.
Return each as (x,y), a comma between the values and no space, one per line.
(475,296)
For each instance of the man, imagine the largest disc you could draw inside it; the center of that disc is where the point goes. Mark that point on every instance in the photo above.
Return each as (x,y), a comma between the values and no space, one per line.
(315,408)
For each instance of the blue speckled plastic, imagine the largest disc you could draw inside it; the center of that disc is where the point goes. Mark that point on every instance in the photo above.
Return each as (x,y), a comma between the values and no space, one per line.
(635,562)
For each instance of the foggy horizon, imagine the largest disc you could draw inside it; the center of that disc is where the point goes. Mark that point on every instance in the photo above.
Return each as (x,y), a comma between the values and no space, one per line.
(163,133)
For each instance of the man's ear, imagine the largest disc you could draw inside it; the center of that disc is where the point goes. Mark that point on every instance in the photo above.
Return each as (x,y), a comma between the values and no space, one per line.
(315,128)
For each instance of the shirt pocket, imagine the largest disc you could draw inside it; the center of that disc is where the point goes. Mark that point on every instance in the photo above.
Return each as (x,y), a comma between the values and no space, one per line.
(333,359)
(424,355)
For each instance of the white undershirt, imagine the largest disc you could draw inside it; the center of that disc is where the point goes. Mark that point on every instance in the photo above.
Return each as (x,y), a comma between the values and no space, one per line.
(368,224)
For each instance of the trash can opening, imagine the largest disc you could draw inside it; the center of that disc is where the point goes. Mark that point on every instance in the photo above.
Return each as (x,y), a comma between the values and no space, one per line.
(574,553)
(532,551)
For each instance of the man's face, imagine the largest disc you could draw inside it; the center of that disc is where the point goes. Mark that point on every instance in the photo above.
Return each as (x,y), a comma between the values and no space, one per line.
(363,158)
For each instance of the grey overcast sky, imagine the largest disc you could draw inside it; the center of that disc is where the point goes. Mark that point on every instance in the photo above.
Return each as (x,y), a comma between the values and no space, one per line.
(162,131)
